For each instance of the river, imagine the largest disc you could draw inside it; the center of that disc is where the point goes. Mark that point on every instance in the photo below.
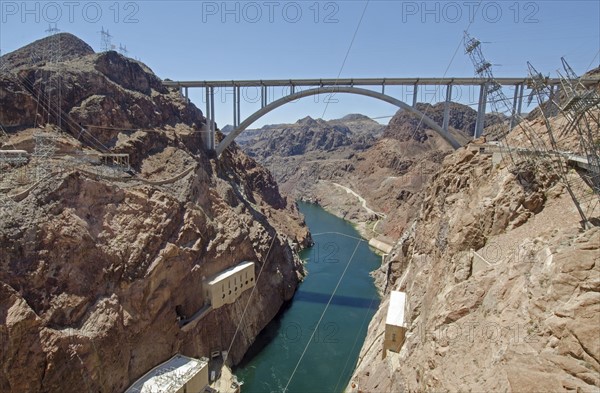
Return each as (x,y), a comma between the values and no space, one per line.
(313,344)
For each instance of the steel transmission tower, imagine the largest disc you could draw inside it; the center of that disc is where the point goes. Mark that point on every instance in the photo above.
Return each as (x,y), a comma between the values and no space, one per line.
(581,109)
(491,90)
(580,106)
(105,40)
(45,141)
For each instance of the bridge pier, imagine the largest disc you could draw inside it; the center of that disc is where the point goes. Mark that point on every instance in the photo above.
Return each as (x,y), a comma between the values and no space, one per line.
(479,123)
(213,125)
(205,135)
(263,96)
(446,120)
(415,94)
(513,117)
(208,131)
(234,107)
(520,105)
(239,111)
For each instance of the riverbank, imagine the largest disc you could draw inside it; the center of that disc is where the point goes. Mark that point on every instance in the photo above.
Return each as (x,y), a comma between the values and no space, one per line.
(365,224)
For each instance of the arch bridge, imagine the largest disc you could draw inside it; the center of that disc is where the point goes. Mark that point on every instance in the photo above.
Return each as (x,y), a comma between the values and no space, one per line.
(348,86)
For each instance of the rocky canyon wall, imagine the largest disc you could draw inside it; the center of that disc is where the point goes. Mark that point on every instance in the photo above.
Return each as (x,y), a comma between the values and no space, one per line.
(96,275)
(502,286)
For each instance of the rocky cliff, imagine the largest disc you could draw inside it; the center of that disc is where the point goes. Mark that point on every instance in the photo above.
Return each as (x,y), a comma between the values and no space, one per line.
(100,268)
(357,129)
(306,135)
(502,285)
(303,155)
(385,166)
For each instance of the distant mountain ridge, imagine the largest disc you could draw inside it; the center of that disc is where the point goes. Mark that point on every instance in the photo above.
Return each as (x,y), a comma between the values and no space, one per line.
(305,135)
(361,127)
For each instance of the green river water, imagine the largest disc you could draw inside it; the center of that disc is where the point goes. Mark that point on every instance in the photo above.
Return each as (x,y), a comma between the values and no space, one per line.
(292,351)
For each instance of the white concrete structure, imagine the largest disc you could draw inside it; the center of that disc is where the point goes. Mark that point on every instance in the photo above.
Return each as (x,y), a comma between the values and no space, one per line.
(380,245)
(180,374)
(227,286)
(395,324)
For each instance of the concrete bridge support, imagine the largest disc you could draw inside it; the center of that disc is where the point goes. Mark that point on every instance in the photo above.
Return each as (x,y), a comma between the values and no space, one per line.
(520,104)
(205,134)
(184,93)
(517,104)
(513,117)
(479,123)
(264,97)
(208,130)
(415,95)
(236,106)
(447,108)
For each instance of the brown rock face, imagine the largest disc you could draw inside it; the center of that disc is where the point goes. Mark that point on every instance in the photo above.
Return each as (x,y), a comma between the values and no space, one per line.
(501,283)
(384,165)
(306,135)
(63,45)
(107,93)
(95,275)
(406,126)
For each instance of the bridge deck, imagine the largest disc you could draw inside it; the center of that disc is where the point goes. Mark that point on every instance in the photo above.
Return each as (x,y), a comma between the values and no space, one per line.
(362,82)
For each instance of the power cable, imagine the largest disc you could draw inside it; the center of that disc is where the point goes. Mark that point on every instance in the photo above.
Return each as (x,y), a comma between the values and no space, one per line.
(321,318)
(250,297)
(347,53)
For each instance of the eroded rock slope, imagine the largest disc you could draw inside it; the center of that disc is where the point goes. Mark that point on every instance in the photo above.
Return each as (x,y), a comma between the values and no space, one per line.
(97,275)
(502,286)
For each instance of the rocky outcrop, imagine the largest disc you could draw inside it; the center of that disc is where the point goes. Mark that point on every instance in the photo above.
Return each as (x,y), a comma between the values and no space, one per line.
(406,125)
(501,283)
(363,130)
(62,46)
(96,275)
(311,156)
(106,93)
(305,136)
(100,271)
(387,172)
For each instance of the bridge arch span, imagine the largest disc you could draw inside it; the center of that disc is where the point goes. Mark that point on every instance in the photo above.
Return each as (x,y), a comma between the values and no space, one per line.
(331,90)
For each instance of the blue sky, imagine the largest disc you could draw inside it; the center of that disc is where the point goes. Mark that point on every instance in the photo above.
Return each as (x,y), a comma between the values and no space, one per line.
(205,40)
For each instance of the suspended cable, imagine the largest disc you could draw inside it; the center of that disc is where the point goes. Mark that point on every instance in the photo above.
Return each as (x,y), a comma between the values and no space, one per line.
(321,318)
(237,329)
(347,53)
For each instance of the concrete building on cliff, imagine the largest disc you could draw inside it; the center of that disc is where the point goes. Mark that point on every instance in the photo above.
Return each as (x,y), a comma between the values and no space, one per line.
(227,286)
(180,374)
(395,324)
